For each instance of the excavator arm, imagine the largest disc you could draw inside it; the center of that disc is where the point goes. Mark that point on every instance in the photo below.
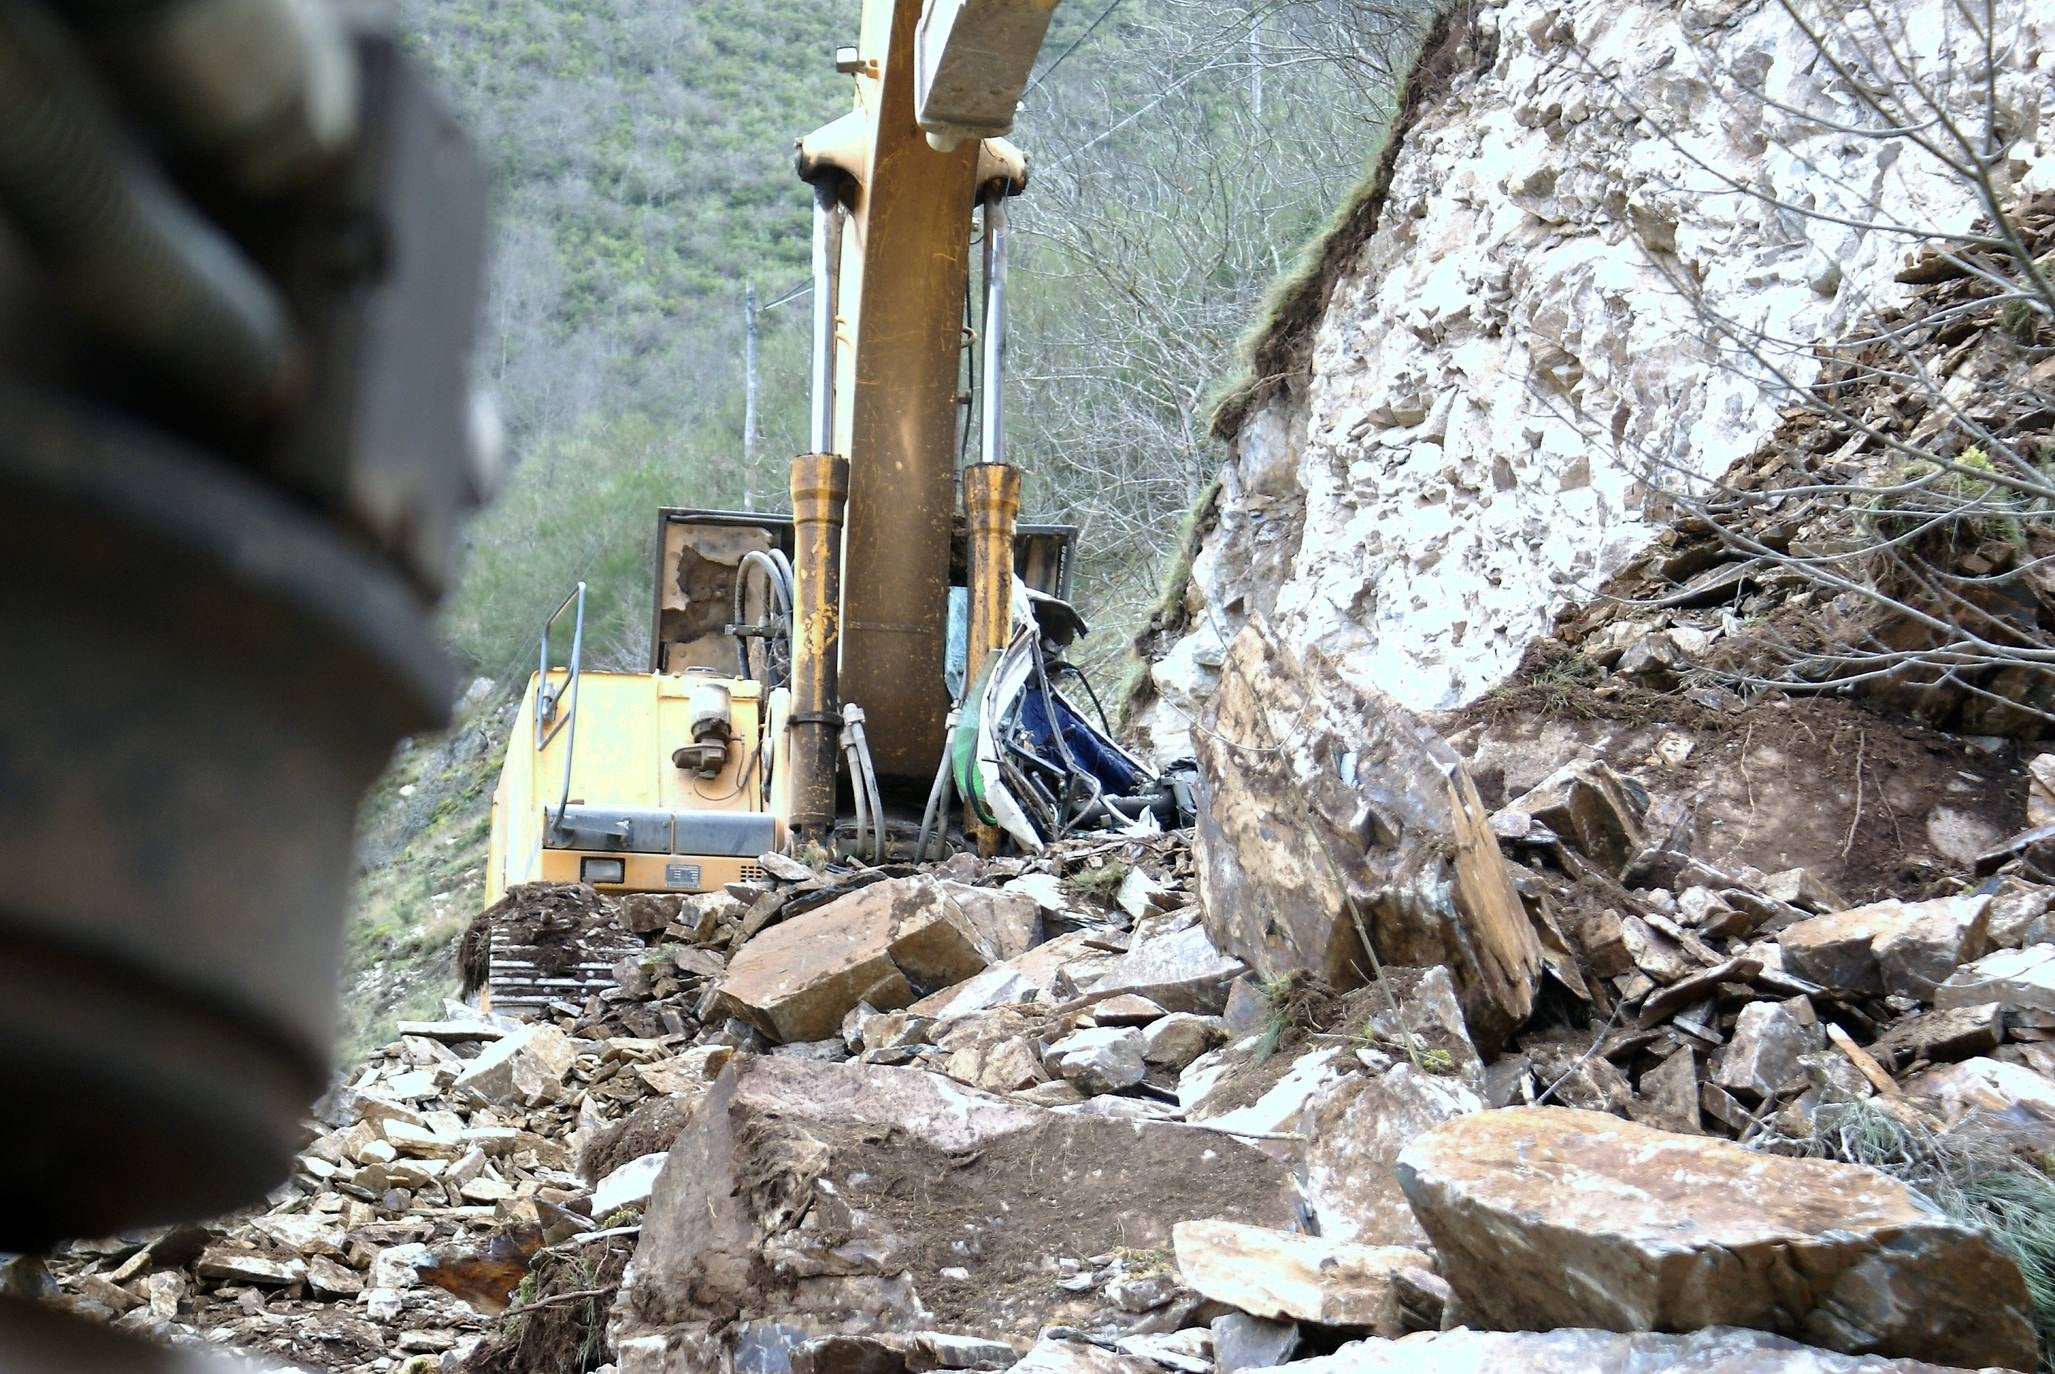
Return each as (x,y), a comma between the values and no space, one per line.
(896,181)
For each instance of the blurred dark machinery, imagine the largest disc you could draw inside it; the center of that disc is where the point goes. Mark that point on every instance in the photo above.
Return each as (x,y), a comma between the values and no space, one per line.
(240,250)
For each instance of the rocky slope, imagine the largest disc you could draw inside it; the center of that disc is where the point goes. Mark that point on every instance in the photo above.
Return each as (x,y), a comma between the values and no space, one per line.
(1058,1116)
(1462,419)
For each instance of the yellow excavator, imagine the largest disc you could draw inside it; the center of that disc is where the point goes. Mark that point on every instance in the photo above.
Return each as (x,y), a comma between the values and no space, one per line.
(239,266)
(805,670)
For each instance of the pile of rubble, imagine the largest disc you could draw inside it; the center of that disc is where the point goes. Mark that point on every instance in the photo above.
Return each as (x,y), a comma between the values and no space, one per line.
(1145,1105)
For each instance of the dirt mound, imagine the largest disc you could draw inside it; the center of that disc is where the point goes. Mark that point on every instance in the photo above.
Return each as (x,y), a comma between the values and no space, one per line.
(647,1130)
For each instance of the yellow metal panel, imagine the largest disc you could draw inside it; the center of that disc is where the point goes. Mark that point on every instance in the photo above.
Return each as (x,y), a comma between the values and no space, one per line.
(646,871)
(620,742)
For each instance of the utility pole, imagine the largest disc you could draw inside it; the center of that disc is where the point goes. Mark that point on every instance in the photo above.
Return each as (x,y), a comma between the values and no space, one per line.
(749,396)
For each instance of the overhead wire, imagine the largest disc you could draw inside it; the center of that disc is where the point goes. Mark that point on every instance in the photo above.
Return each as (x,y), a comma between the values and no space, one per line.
(1090,29)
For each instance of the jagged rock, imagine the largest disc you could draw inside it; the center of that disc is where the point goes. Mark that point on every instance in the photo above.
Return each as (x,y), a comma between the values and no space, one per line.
(231,1264)
(887,1165)
(1126,1009)
(527,1067)
(1668,1096)
(1179,1038)
(1098,1059)
(1282,1276)
(1647,1230)
(1942,1036)
(1768,1040)
(1034,974)
(1343,801)
(1054,1356)
(1241,1341)
(1354,1133)
(1800,888)
(628,1185)
(1592,808)
(646,913)
(2017,908)
(1891,946)
(1991,1086)
(1179,969)
(1715,1350)
(887,944)
(1278,1109)
(2019,980)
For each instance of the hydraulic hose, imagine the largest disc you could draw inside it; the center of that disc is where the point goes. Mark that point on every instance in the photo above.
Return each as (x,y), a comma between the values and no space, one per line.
(133,260)
(939,793)
(778,595)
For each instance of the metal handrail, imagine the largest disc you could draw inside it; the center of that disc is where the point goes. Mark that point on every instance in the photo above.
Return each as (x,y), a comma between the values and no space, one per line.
(546,700)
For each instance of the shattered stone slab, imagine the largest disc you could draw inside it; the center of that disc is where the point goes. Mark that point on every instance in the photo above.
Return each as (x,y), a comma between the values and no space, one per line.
(1645,1230)
(1287,1277)
(1591,807)
(1908,948)
(1301,767)
(888,945)
(527,1067)
(2020,980)
(1355,1131)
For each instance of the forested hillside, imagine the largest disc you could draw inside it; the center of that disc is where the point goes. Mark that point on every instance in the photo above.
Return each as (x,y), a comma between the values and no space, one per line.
(1182,150)
(1182,154)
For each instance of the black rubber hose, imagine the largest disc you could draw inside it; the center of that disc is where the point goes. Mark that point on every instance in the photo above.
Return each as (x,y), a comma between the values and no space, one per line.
(136,264)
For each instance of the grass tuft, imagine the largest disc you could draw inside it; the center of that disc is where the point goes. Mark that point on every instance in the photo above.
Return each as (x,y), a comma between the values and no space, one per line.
(1979,1172)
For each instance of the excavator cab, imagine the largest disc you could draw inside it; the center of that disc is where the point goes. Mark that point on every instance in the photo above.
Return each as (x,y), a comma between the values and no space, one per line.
(668,780)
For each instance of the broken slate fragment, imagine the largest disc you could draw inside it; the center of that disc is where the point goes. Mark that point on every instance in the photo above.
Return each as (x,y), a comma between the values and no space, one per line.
(525,1068)
(1593,809)
(1768,1040)
(1241,1342)
(1288,1277)
(1942,1036)
(1354,1131)
(1294,876)
(1990,1086)
(1099,1059)
(2020,980)
(886,944)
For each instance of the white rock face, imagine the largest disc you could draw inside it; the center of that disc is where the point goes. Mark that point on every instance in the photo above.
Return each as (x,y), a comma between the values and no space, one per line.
(1509,370)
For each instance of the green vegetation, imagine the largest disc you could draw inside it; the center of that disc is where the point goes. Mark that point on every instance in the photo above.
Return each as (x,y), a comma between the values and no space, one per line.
(1977,1172)
(1277,990)
(1103,879)
(421,860)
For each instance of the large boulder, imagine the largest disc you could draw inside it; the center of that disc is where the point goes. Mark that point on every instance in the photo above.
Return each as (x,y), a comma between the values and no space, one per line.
(1715,1350)
(1908,948)
(888,944)
(815,1198)
(1326,801)
(1546,1217)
